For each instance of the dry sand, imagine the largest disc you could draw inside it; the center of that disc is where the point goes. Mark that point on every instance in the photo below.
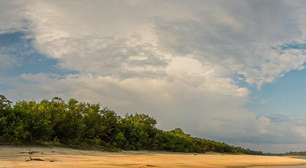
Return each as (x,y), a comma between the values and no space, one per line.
(12,157)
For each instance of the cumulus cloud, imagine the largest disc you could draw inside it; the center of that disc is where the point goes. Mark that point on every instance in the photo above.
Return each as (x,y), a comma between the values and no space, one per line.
(243,41)
(11,16)
(180,61)
(242,37)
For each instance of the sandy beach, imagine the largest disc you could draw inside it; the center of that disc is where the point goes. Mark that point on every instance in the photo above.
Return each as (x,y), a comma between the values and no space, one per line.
(13,157)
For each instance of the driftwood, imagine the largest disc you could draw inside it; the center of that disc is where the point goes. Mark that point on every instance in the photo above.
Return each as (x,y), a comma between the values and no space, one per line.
(29,156)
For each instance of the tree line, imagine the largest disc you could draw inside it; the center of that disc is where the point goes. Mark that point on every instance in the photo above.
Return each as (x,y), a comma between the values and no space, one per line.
(75,123)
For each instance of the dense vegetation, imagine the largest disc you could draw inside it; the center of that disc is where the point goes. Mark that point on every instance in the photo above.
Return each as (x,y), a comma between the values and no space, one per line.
(302,153)
(83,124)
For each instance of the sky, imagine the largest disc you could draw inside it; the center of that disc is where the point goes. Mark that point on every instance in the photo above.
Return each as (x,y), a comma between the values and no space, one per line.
(231,71)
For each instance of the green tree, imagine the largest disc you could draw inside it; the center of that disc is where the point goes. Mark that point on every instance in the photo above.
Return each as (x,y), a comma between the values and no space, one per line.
(139,130)
(5,104)
(78,123)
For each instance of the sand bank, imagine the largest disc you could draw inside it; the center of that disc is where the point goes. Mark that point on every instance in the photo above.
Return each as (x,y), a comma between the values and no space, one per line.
(11,157)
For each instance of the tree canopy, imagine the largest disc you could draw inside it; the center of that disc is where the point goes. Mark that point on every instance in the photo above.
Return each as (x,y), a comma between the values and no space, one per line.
(75,123)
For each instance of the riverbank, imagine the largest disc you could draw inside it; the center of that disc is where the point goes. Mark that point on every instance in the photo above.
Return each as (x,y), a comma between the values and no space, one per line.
(37,157)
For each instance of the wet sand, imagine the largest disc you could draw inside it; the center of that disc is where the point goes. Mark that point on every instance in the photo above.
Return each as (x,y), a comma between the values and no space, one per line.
(13,157)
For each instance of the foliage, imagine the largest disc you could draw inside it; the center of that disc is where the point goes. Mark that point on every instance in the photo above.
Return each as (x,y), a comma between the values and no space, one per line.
(76,123)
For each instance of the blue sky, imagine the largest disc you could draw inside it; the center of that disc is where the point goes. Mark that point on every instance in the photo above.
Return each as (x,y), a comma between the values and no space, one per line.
(26,58)
(285,96)
(235,73)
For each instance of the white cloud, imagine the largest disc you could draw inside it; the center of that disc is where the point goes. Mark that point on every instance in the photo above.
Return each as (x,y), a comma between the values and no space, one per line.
(11,16)
(249,50)
(243,44)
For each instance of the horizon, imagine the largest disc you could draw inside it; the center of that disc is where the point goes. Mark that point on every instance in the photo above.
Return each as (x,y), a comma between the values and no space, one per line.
(232,71)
